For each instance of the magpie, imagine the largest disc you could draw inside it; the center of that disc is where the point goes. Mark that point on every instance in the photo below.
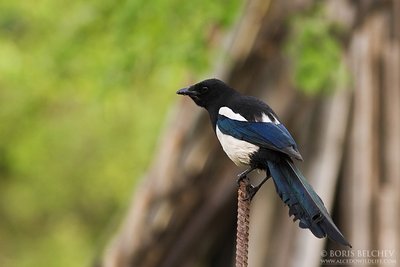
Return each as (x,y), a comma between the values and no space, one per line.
(251,134)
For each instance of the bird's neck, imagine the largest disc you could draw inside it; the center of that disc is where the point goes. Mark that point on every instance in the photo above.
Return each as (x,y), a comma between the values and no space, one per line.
(214,106)
(213,113)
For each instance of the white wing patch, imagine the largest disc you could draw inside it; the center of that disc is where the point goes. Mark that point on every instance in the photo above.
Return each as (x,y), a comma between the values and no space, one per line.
(227,112)
(238,151)
(266,118)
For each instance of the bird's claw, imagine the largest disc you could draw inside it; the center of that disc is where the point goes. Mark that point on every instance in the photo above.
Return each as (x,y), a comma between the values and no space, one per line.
(243,175)
(241,178)
(252,190)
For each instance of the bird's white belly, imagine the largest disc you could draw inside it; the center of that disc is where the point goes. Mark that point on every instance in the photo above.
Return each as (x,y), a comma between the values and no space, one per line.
(238,151)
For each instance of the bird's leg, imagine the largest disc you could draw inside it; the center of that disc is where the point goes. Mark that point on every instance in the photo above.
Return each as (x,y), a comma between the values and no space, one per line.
(252,190)
(243,175)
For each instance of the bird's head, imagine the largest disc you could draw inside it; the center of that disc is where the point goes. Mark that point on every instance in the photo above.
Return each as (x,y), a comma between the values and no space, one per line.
(208,93)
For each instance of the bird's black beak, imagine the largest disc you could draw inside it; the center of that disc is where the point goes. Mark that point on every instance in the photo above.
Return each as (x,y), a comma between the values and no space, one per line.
(186,91)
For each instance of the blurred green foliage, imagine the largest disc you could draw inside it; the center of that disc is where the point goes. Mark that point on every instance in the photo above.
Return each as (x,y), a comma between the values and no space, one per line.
(84,89)
(315,51)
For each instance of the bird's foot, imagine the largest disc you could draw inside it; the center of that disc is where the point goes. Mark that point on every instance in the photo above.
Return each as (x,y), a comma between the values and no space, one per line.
(252,190)
(243,175)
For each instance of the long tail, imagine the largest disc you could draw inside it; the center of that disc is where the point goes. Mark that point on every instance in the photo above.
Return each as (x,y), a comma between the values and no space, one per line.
(303,201)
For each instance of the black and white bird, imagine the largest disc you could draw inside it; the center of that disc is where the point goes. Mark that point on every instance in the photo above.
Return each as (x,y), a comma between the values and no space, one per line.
(251,134)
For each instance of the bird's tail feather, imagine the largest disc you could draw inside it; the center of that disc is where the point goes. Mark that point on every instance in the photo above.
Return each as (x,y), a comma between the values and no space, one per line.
(303,201)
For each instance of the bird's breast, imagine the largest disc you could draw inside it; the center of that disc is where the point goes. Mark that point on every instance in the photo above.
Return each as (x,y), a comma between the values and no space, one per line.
(238,151)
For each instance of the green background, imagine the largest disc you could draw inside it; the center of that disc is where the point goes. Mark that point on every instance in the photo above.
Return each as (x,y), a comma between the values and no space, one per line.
(84,91)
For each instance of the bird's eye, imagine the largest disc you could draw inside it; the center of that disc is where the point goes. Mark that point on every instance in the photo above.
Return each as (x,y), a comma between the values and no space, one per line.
(204,89)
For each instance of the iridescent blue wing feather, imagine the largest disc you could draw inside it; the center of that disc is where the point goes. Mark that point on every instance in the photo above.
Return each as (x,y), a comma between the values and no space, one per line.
(264,134)
(303,202)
